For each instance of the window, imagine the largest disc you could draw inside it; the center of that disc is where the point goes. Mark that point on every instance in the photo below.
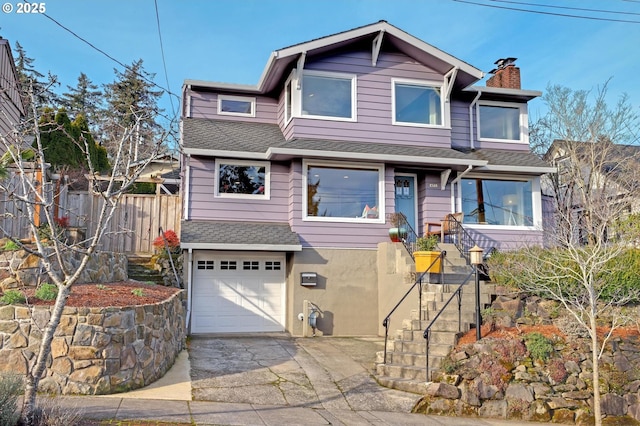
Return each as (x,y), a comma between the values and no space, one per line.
(344,193)
(242,179)
(497,202)
(417,103)
(205,264)
(228,265)
(236,105)
(250,265)
(502,122)
(272,265)
(328,95)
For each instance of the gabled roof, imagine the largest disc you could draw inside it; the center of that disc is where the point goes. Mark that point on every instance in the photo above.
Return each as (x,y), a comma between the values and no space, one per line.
(262,141)
(229,235)
(282,60)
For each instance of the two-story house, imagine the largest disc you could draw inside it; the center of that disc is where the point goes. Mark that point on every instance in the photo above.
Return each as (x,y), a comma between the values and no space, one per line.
(297,175)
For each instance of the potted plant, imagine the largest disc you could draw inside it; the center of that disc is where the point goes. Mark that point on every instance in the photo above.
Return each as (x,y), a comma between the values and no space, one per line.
(427,256)
(398,233)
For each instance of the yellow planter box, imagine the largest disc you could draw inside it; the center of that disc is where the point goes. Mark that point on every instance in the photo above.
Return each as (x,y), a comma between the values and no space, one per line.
(424,259)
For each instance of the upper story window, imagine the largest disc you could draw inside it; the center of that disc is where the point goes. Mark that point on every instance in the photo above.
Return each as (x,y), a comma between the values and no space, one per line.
(502,122)
(417,103)
(328,95)
(236,105)
(343,193)
(242,179)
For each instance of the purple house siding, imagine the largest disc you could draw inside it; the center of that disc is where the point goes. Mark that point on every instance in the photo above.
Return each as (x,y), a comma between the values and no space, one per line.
(205,105)
(504,239)
(374,103)
(203,204)
(337,234)
(460,124)
(434,203)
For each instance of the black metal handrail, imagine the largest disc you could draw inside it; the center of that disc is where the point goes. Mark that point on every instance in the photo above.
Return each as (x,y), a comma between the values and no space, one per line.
(418,282)
(406,233)
(464,241)
(427,331)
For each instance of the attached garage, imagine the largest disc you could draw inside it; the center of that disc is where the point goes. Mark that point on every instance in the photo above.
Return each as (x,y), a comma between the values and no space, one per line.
(238,292)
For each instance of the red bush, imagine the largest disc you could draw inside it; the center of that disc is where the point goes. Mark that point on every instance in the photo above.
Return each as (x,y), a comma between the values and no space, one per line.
(172,240)
(62,222)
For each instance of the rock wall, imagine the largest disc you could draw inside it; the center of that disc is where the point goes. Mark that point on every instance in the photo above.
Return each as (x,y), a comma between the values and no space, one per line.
(19,268)
(500,378)
(95,350)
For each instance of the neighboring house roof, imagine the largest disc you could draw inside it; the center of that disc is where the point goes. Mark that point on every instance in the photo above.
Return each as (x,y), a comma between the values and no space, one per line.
(281,61)
(214,235)
(9,82)
(265,141)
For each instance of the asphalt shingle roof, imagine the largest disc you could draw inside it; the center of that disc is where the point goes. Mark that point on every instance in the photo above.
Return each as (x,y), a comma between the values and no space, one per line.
(248,233)
(221,135)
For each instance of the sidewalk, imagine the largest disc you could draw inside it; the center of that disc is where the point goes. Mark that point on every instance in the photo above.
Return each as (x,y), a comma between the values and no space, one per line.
(268,380)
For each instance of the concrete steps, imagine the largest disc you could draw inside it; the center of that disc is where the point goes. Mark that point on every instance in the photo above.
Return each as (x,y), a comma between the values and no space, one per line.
(405,368)
(140,269)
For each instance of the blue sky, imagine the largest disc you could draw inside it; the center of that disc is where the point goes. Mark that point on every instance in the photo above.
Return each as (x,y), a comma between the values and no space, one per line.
(230,40)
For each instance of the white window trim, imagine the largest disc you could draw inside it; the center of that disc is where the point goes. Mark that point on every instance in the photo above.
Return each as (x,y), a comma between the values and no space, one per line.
(267,179)
(369,166)
(251,100)
(289,86)
(536,202)
(524,122)
(423,83)
(297,96)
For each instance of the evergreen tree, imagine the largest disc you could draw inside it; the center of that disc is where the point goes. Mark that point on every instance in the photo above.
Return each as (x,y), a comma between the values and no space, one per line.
(63,142)
(84,99)
(129,98)
(32,79)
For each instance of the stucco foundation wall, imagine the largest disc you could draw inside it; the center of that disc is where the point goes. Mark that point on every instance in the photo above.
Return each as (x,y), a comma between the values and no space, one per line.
(396,275)
(95,350)
(346,292)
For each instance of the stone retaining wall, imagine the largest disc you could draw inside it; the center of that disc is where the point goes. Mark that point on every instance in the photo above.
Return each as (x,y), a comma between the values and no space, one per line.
(19,268)
(95,350)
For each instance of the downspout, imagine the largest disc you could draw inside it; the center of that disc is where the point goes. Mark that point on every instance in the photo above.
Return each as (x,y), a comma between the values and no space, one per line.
(185,186)
(453,186)
(189,286)
(472,144)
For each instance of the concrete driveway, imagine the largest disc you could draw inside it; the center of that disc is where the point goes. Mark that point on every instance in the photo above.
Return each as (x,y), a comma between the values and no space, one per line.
(329,373)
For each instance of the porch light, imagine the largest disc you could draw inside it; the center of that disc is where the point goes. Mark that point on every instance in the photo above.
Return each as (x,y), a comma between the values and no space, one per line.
(475,256)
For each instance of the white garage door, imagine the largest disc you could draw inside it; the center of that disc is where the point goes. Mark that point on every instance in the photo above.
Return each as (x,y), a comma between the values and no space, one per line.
(237,292)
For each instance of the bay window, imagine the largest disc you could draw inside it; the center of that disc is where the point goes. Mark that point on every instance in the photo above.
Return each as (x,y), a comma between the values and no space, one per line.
(497,202)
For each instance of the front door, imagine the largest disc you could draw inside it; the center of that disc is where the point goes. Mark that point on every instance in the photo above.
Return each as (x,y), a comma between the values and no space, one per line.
(405,188)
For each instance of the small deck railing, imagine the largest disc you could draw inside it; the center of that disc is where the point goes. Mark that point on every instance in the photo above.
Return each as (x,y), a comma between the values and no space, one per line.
(405,232)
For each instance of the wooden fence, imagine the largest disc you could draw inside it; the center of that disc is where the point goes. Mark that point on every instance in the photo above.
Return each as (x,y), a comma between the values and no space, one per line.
(132,229)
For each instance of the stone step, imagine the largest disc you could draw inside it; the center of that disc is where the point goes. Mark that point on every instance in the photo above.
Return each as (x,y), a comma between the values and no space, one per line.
(140,269)
(449,337)
(442,324)
(419,347)
(407,385)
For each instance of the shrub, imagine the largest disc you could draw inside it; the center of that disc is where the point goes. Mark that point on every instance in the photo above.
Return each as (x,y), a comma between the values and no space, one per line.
(48,413)
(137,292)
(47,291)
(622,276)
(13,297)
(62,222)
(10,246)
(173,242)
(538,346)
(10,389)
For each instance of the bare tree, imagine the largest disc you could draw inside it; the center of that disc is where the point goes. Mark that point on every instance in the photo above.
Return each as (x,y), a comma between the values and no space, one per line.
(594,193)
(35,204)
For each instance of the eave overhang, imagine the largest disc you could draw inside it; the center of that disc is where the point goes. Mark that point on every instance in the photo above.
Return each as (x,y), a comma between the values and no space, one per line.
(503,94)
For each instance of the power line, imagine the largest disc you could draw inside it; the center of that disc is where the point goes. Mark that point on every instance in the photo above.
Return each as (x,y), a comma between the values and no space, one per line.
(566,7)
(127,67)
(164,63)
(547,13)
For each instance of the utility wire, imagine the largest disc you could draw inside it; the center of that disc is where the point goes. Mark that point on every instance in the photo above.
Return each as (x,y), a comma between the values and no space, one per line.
(127,67)
(164,63)
(594,18)
(566,7)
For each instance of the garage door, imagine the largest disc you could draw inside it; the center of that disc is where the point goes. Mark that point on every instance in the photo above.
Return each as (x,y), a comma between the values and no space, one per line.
(238,292)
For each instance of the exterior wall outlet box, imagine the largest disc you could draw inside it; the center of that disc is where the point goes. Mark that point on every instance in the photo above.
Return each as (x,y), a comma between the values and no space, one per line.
(308,279)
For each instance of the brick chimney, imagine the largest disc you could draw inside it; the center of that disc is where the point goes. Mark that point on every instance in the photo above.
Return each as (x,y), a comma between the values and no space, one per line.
(506,75)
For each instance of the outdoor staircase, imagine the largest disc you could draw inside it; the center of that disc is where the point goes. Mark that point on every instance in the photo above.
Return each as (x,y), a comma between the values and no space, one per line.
(405,368)
(141,269)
